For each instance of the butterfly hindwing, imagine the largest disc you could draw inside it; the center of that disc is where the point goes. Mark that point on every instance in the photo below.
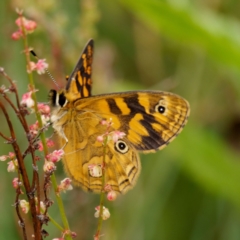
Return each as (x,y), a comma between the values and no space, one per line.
(83,151)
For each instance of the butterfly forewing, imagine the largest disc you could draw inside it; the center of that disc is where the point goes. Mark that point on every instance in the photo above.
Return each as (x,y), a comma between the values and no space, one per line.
(79,82)
(150,119)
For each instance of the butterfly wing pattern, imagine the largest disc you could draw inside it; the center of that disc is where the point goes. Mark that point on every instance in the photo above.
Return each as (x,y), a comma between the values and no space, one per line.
(150,120)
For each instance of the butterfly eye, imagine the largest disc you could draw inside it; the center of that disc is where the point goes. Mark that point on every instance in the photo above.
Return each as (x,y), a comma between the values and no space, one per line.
(62,101)
(121,146)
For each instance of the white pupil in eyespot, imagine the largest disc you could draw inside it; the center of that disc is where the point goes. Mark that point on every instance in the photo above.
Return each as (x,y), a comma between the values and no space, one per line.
(121,145)
(161,109)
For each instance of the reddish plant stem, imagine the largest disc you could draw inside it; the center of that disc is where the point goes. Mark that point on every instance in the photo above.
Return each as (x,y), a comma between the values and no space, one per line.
(18,112)
(21,115)
(5,137)
(23,172)
(21,222)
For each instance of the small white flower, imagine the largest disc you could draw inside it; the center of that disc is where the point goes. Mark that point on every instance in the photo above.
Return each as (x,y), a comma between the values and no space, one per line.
(105,213)
(65,185)
(12,166)
(95,170)
(24,206)
(49,166)
(27,100)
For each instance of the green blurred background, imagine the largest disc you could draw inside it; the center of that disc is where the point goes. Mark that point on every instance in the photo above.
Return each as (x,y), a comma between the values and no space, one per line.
(191,189)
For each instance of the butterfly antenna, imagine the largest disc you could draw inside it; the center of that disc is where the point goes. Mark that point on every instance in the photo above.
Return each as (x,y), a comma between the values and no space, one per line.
(48,73)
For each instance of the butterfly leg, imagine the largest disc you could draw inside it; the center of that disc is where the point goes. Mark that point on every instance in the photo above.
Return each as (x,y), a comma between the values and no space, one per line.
(65,138)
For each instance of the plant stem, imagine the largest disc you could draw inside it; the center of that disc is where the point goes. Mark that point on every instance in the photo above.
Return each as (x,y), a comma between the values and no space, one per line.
(61,207)
(103,185)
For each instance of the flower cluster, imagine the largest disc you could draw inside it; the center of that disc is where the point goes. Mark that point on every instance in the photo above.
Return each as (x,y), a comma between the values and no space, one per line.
(43,108)
(40,66)
(24,24)
(65,185)
(112,135)
(16,162)
(105,213)
(50,144)
(24,205)
(49,165)
(12,164)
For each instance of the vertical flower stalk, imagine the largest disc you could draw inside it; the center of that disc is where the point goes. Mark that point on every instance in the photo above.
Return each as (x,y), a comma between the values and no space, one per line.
(102,213)
(102,194)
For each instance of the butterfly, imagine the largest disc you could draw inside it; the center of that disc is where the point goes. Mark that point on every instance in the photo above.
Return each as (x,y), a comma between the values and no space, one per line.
(150,120)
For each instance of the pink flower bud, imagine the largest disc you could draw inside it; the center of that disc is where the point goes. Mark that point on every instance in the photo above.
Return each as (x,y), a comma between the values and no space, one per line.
(73,234)
(3,158)
(31,67)
(16,183)
(29,25)
(103,122)
(111,196)
(45,119)
(41,66)
(24,205)
(40,146)
(34,128)
(44,108)
(55,156)
(117,135)
(42,206)
(49,167)
(100,138)
(27,100)
(50,143)
(16,35)
(11,155)
(20,21)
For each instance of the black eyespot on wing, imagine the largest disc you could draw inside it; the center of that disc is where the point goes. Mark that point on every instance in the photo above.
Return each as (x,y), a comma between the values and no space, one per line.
(121,146)
(161,109)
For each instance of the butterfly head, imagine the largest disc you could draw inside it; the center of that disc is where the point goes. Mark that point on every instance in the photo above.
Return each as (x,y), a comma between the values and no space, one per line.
(57,98)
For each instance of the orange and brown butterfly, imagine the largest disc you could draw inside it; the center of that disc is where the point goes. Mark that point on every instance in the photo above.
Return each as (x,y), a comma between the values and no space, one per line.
(150,120)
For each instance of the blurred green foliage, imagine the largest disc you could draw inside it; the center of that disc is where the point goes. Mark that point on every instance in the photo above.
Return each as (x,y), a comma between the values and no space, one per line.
(191,189)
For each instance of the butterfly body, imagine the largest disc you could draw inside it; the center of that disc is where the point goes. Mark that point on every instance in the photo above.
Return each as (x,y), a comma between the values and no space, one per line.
(149,119)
